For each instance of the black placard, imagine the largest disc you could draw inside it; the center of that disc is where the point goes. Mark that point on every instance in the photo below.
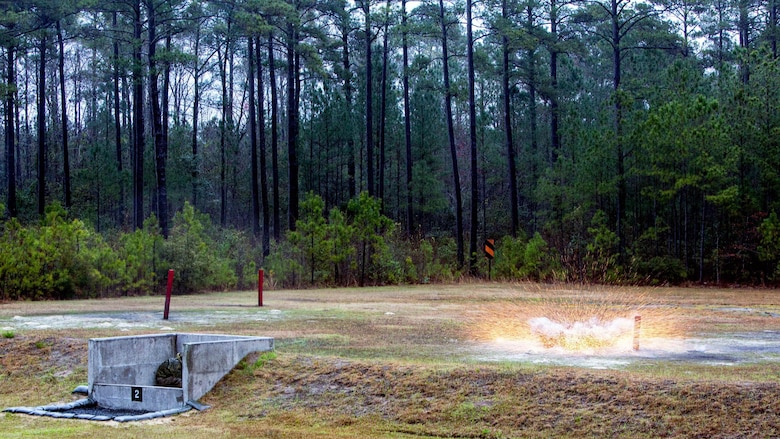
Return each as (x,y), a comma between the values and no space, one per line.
(137,394)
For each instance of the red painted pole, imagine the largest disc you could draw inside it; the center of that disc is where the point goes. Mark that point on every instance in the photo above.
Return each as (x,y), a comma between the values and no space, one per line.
(260,288)
(168,294)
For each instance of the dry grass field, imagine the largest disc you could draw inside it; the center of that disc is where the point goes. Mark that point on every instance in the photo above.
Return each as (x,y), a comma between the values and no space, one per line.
(422,361)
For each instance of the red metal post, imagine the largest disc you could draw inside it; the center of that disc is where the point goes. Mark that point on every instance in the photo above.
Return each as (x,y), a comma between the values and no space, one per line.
(168,295)
(260,288)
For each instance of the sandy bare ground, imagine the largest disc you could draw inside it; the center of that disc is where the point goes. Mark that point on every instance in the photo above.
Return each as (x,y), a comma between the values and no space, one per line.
(480,321)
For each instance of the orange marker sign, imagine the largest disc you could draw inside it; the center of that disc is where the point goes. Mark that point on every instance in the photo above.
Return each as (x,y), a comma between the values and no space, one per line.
(490,249)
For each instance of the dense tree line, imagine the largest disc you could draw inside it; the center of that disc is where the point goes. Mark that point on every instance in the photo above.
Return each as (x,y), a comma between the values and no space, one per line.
(601,140)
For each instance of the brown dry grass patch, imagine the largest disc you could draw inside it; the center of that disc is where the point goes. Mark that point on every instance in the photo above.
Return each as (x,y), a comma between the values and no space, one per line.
(385,362)
(305,393)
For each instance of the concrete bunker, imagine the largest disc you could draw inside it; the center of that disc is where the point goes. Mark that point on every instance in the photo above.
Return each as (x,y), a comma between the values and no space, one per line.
(122,372)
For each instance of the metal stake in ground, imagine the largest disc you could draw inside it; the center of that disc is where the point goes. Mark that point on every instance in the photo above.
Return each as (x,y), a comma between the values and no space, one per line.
(168,295)
(260,288)
(637,327)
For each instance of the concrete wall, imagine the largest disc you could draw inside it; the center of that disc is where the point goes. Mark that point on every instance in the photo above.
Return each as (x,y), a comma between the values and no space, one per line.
(207,362)
(128,360)
(145,398)
(122,369)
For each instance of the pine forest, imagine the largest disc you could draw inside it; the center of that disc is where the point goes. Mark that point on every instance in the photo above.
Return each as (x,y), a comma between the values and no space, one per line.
(375,142)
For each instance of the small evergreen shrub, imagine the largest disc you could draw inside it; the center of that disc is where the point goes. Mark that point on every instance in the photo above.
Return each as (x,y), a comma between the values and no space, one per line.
(195,257)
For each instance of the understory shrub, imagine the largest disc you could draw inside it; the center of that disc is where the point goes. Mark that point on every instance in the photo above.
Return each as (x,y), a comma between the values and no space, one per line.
(193,254)
(601,257)
(346,248)
(660,270)
(59,259)
(769,247)
(141,252)
(525,259)
(62,258)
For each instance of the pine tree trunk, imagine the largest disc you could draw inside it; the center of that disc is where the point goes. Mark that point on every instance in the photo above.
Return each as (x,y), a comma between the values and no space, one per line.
(383,111)
(369,102)
(292,126)
(621,182)
(138,121)
(451,138)
(261,134)
(160,146)
(274,140)
(472,141)
(118,128)
(195,113)
(222,138)
(555,137)
(253,138)
(408,125)
(64,117)
(351,181)
(10,133)
(510,148)
(42,126)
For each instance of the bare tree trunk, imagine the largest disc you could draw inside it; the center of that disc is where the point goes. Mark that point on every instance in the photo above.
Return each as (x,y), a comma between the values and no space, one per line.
(195,113)
(165,104)
(253,137)
(351,181)
(161,148)
(383,110)
(42,126)
(621,182)
(555,137)
(292,126)
(10,134)
(451,138)
(532,113)
(263,172)
(408,124)
(118,128)
(64,117)
(743,26)
(369,101)
(138,121)
(510,148)
(473,142)
(274,140)
(222,136)
(232,130)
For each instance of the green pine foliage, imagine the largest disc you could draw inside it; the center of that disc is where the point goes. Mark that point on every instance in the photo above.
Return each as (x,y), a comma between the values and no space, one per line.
(345,248)
(63,258)
(769,249)
(194,255)
(601,259)
(59,259)
(141,251)
(526,259)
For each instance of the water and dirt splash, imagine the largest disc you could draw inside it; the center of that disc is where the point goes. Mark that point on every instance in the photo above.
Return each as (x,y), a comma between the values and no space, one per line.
(592,333)
(519,323)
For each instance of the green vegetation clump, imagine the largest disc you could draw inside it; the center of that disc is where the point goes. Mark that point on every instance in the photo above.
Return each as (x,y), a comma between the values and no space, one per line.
(63,258)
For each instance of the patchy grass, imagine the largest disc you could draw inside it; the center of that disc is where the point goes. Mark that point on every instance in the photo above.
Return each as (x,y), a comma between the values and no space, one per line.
(391,363)
(326,393)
